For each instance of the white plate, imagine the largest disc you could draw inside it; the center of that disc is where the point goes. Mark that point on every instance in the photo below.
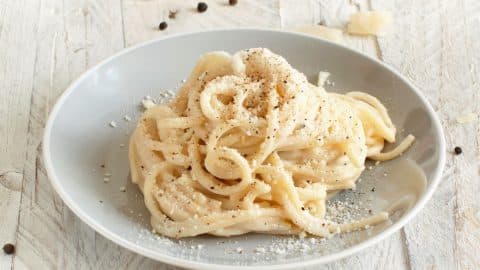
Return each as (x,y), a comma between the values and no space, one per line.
(78,140)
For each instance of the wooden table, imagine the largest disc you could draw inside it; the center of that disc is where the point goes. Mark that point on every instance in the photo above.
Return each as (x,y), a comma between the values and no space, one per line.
(44,45)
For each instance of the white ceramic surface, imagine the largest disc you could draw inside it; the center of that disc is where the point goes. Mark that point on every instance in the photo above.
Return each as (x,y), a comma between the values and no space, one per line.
(78,140)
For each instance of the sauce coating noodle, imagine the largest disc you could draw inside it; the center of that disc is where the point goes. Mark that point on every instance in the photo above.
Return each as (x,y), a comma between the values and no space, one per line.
(249,145)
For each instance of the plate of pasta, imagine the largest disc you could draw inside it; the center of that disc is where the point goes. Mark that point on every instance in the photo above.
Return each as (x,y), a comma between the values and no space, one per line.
(245,148)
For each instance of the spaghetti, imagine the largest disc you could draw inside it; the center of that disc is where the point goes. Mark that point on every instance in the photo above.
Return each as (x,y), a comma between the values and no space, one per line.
(248,145)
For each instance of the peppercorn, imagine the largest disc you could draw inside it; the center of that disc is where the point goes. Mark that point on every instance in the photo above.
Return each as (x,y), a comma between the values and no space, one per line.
(8,248)
(458,150)
(162,26)
(202,7)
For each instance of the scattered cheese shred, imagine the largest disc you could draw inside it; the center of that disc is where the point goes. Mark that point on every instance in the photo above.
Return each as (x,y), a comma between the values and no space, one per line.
(331,34)
(369,23)
(322,78)
(467,118)
(147,104)
(259,250)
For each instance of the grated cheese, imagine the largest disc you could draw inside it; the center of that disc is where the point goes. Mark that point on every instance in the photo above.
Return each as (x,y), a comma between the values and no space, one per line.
(467,118)
(322,78)
(147,103)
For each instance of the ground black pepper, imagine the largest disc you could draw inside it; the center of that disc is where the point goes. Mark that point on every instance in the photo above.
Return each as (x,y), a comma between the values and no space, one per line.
(202,7)
(458,150)
(172,14)
(232,2)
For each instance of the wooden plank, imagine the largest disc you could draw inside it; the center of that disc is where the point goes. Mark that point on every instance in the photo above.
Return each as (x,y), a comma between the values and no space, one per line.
(467,216)
(141,18)
(72,35)
(435,43)
(17,26)
(461,60)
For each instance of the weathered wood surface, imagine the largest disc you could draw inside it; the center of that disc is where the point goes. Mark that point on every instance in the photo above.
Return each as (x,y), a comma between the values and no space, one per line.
(44,45)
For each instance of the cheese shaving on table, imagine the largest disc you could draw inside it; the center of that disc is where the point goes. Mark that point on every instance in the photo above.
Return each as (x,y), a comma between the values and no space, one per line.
(369,23)
(328,33)
(467,118)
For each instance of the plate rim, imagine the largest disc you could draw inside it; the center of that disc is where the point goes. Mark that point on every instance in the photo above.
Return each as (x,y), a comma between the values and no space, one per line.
(131,246)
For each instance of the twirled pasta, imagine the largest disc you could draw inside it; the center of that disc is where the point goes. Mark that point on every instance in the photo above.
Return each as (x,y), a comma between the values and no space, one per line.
(248,145)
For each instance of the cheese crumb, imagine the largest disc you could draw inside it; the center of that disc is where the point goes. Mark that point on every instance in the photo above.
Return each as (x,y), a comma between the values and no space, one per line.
(369,23)
(127,118)
(106,179)
(239,250)
(260,250)
(123,189)
(467,118)
(113,124)
(147,103)
(322,78)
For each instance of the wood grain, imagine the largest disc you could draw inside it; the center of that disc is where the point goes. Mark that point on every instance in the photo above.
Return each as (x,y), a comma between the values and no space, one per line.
(16,73)
(45,45)
(143,17)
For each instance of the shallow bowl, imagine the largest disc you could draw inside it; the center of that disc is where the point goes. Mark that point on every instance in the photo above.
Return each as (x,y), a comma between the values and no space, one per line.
(80,147)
